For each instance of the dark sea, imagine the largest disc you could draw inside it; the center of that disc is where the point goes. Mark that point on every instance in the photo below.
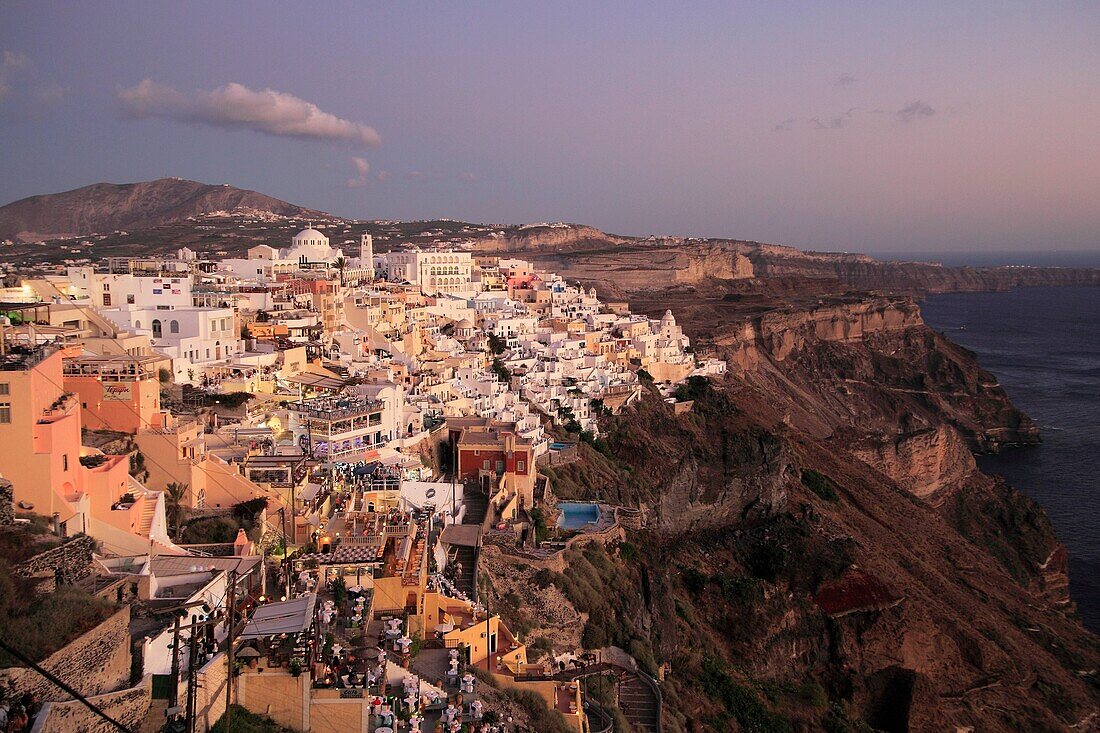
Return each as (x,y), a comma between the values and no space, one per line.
(1043,344)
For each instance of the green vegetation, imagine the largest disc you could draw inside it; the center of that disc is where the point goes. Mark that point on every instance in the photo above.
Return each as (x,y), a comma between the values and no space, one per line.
(497,344)
(538,522)
(245,721)
(232,400)
(502,372)
(692,389)
(820,484)
(174,495)
(741,702)
(606,588)
(214,530)
(40,625)
(543,719)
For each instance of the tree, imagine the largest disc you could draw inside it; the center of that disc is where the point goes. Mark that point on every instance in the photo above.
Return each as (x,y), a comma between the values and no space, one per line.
(340,263)
(173,499)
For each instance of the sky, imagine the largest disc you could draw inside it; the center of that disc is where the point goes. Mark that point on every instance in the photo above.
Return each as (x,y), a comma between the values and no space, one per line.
(855,126)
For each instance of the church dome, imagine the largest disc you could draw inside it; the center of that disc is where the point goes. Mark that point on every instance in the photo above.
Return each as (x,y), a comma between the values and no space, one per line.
(310,236)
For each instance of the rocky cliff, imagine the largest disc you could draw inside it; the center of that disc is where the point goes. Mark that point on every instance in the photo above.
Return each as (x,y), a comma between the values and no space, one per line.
(106,207)
(821,550)
(631,265)
(547,237)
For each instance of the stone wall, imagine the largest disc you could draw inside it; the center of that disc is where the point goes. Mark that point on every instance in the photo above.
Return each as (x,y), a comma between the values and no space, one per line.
(128,707)
(94,663)
(210,694)
(68,563)
(7,506)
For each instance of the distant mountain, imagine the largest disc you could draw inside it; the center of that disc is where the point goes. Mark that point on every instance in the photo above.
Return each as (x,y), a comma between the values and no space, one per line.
(107,207)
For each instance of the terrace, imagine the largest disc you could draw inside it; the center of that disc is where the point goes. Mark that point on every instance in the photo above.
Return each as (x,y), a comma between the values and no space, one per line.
(337,407)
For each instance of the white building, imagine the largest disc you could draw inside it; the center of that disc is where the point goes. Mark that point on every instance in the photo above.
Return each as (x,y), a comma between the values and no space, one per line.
(433,272)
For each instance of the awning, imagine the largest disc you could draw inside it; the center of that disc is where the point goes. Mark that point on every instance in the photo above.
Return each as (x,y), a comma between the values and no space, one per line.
(465,535)
(285,617)
(309,492)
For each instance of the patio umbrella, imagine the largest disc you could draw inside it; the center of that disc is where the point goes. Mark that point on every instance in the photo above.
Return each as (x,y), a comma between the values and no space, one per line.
(248,653)
(444,628)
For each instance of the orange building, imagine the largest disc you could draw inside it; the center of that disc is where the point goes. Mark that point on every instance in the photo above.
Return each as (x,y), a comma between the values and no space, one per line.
(119,392)
(40,435)
(53,475)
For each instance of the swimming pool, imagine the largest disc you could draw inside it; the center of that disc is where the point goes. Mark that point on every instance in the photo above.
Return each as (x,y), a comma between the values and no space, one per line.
(575,515)
(558,446)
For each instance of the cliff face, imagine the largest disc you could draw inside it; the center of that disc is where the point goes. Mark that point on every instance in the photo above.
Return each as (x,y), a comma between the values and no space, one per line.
(926,463)
(631,265)
(548,238)
(818,530)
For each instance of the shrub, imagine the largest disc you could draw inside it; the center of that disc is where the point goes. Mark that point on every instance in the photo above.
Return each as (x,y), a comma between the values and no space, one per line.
(694,580)
(246,721)
(543,719)
(820,484)
(40,625)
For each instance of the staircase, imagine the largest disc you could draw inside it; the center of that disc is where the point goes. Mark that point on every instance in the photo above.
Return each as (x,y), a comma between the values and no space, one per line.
(477,503)
(148,512)
(639,696)
(640,704)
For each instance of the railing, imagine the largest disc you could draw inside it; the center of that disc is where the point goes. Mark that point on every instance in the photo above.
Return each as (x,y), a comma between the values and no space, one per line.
(604,722)
(652,684)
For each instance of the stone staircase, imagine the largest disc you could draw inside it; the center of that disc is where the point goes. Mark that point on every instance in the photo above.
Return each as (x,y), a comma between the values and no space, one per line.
(640,704)
(148,512)
(639,696)
(477,503)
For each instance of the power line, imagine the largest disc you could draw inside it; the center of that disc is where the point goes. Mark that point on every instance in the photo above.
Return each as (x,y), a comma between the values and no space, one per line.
(60,683)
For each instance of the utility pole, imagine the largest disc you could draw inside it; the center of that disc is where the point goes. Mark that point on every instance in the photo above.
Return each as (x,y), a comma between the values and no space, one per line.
(454,477)
(192,663)
(232,618)
(173,691)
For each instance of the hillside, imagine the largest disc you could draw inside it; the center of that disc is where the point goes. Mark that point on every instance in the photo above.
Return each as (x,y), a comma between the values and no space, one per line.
(822,552)
(108,207)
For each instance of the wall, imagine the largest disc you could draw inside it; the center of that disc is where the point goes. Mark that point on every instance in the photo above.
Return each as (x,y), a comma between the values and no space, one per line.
(128,707)
(129,407)
(95,663)
(7,505)
(276,694)
(210,693)
(70,562)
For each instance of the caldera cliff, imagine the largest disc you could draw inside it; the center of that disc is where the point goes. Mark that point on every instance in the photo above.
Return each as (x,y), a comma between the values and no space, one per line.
(821,551)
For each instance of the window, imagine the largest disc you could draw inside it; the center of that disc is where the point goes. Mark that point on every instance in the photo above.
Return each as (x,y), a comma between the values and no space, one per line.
(5,388)
(174,327)
(5,414)
(64,461)
(156,328)
(485,464)
(106,287)
(130,299)
(520,466)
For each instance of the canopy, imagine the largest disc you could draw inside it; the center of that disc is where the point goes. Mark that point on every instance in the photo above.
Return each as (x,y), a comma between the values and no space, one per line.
(285,617)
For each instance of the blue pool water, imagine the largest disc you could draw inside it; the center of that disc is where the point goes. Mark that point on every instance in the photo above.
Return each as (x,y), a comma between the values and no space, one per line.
(558,446)
(575,515)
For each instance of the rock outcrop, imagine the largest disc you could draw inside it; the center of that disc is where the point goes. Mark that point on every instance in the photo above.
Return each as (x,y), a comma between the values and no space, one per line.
(925,463)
